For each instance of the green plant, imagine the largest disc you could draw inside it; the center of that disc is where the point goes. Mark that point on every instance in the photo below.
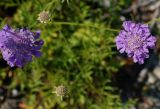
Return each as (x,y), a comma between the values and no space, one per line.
(78,53)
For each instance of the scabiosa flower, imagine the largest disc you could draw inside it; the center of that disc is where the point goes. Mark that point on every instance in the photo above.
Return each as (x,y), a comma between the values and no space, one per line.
(135,40)
(44,17)
(61,91)
(18,46)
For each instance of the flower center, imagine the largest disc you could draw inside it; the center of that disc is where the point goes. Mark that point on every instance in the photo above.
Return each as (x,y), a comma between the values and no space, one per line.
(135,42)
(44,16)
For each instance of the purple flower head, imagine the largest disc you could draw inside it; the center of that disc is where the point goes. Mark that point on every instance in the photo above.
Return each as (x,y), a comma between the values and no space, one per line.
(135,40)
(18,46)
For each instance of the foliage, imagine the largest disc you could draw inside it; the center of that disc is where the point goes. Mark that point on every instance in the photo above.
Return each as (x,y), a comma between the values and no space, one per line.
(79,52)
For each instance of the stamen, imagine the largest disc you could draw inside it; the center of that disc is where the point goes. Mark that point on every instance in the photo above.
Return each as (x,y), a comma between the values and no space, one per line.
(134,42)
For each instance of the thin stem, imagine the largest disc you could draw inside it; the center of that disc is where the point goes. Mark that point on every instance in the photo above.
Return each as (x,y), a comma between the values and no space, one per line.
(87,25)
(154,20)
(40,3)
(61,98)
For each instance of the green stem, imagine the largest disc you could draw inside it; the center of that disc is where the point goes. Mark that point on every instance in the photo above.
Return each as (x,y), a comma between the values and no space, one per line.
(154,20)
(87,25)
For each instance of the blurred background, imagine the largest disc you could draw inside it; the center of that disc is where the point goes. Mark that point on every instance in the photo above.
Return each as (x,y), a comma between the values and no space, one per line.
(79,53)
